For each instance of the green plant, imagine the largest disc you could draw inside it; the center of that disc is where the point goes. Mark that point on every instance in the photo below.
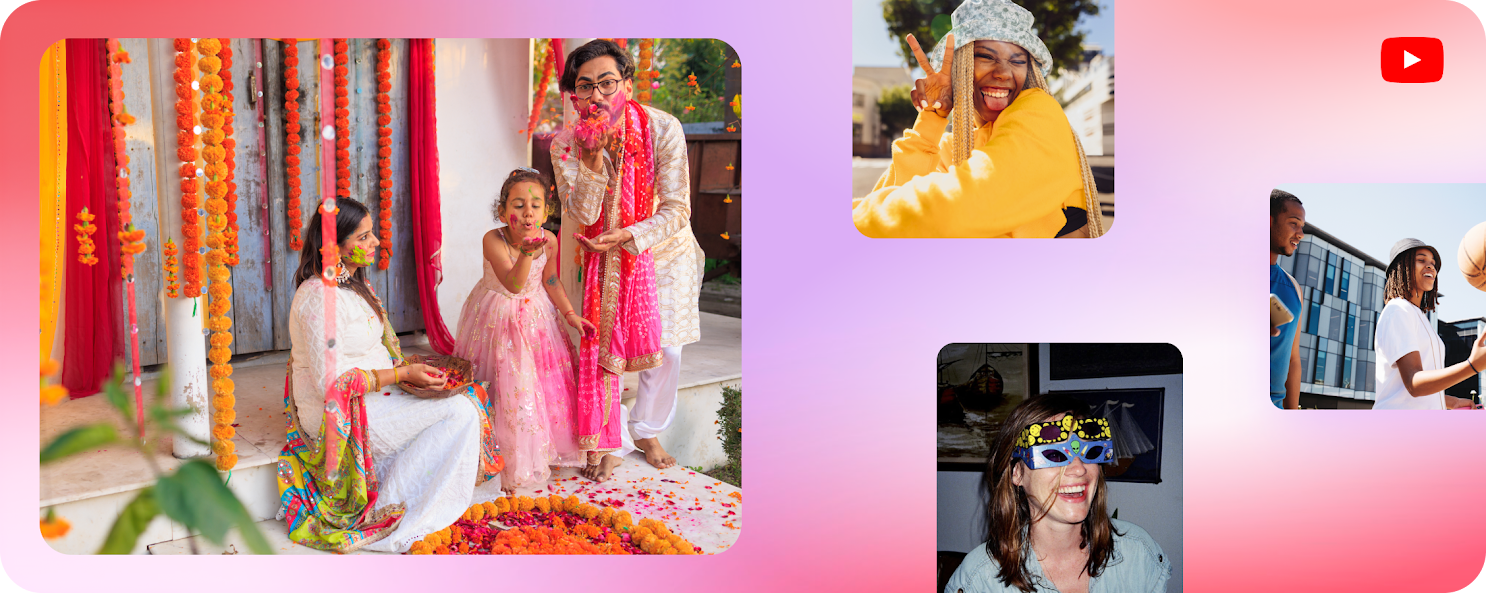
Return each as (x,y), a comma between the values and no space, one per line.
(194,495)
(896,110)
(1054,21)
(730,430)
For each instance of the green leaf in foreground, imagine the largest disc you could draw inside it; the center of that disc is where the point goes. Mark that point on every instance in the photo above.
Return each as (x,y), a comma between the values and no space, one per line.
(196,497)
(78,440)
(132,522)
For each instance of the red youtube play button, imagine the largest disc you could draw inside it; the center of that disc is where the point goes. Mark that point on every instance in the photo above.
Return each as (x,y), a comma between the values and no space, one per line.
(1413,59)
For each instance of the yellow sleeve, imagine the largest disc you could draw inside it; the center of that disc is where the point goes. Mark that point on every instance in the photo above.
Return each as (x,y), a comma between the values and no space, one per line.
(916,153)
(1023,173)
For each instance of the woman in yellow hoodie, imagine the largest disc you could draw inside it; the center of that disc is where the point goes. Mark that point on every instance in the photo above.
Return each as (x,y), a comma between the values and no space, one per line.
(1011,166)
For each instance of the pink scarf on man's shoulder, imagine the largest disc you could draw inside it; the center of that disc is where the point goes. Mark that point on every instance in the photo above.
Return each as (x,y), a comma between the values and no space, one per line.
(618,294)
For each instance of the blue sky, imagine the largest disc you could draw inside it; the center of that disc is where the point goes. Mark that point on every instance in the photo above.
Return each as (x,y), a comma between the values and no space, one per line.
(871,45)
(1372,217)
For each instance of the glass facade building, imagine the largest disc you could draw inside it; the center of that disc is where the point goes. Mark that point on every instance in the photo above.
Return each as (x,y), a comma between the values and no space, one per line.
(1341,290)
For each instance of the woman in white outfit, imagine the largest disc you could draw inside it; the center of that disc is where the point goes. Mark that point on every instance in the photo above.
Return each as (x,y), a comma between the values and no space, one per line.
(368,465)
(1411,357)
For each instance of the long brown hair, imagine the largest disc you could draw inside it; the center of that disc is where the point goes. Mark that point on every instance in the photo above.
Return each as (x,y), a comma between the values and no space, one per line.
(349,214)
(1008,515)
(1400,282)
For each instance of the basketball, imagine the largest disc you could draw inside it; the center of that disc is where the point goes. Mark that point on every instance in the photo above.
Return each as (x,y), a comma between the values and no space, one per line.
(1473,256)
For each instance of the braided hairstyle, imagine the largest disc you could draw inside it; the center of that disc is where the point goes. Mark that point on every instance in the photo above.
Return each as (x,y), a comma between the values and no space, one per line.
(964,120)
(1400,282)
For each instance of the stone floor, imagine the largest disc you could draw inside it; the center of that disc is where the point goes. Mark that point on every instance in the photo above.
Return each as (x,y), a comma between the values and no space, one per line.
(706,512)
(108,474)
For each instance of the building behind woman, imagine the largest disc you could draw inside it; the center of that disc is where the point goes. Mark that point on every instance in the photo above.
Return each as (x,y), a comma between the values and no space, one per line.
(1411,357)
(368,465)
(1010,165)
(1047,528)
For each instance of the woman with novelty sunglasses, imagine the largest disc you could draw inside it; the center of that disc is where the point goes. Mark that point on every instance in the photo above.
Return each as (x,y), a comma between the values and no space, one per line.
(1046,523)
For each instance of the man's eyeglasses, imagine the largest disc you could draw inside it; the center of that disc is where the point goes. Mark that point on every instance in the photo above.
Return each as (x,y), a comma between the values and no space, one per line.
(606,87)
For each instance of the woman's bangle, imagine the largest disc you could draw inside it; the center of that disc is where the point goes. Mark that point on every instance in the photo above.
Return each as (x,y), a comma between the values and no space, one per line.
(570,312)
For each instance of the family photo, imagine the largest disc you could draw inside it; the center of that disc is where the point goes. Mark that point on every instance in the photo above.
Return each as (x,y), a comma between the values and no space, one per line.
(982,118)
(409,296)
(1069,477)
(1377,296)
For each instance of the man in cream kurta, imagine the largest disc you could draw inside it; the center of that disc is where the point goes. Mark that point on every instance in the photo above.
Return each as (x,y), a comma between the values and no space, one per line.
(666,234)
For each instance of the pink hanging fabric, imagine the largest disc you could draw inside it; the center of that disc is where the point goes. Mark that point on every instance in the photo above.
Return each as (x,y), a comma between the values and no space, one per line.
(428,232)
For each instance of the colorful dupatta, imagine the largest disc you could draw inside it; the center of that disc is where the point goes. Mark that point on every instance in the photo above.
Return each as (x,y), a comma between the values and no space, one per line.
(328,485)
(619,293)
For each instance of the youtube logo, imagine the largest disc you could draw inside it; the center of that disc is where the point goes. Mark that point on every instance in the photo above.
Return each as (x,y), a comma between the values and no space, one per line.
(1413,59)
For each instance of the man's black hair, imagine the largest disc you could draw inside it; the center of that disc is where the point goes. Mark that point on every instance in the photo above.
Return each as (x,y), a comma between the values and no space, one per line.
(590,51)
(1277,199)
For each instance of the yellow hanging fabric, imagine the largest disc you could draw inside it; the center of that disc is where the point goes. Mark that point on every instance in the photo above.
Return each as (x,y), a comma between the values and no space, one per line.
(53,188)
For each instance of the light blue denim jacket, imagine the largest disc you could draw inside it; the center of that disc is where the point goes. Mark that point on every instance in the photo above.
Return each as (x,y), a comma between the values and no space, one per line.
(1137,565)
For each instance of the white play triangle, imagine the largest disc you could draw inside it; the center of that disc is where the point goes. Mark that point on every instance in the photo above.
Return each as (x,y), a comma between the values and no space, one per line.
(1409,59)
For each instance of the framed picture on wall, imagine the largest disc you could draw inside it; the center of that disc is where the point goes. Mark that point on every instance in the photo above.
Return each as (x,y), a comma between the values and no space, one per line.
(1135,421)
(978,386)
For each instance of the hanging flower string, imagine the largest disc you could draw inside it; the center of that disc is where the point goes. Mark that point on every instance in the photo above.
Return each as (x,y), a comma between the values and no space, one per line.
(291,142)
(219,292)
(540,96)
(229,144)
(85,232)
(131,240)
(172,286)
(384,150)
(342,123)
(185,123)
(646,74)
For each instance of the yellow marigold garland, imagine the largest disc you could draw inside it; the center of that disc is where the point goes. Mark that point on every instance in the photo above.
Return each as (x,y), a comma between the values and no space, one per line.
(172,287)
(85,232)
(51,393)
(219,291)
(185,121)
(384,153)
(291,142)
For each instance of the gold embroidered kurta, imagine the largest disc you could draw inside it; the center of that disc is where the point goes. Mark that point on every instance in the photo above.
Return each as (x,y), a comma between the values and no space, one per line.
(666,233)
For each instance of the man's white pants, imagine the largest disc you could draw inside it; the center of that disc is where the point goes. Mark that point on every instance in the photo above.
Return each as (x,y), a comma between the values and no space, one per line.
(655,402)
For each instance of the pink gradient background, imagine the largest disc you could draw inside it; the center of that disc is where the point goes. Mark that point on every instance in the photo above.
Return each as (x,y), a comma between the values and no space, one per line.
(1220,102)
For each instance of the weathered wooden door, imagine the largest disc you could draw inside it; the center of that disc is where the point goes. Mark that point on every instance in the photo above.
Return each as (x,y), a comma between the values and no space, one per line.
(262,282)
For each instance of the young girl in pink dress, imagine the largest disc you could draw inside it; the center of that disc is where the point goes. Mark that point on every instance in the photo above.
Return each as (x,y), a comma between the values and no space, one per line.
(509,331)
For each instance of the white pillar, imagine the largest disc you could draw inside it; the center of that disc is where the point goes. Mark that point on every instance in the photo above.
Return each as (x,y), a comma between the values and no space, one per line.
(184,325)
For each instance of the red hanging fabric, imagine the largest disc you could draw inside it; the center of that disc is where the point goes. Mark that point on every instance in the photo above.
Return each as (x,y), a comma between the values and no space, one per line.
(428,231)
(91,340)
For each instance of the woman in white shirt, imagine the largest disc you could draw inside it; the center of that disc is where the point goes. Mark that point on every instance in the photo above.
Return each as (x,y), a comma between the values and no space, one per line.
(1411,357)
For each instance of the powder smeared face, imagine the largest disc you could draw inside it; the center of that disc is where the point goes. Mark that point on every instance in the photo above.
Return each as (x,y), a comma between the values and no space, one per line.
(525,209)
(597,77)
(356,250)
(1000,75)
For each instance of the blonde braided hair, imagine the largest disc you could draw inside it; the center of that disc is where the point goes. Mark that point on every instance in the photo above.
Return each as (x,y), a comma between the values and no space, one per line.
(964,120)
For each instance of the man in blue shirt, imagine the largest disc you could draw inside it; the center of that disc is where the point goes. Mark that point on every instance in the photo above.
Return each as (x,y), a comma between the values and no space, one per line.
(1286,229)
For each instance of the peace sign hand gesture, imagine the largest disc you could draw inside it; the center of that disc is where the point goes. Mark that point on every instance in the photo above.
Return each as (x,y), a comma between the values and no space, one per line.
(934,91)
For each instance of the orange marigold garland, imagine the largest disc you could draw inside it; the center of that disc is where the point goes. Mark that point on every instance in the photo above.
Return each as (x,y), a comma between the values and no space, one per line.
(52,526)
(343,123)
(172,287)
(551,525)
(549,62)
(229,144)
(51,393)
(645,74)
(291,142)
(219,292)
(85,232)
(384,153)
(185,121)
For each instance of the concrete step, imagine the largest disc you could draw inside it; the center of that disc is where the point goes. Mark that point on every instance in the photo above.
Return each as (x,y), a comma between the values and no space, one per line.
(90,489)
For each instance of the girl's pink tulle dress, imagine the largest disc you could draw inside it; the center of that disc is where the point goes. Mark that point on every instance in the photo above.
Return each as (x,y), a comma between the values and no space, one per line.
(517,343)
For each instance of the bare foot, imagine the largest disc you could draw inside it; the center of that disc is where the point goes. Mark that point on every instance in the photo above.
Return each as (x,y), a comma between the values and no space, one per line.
(605,468)
(654,453)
